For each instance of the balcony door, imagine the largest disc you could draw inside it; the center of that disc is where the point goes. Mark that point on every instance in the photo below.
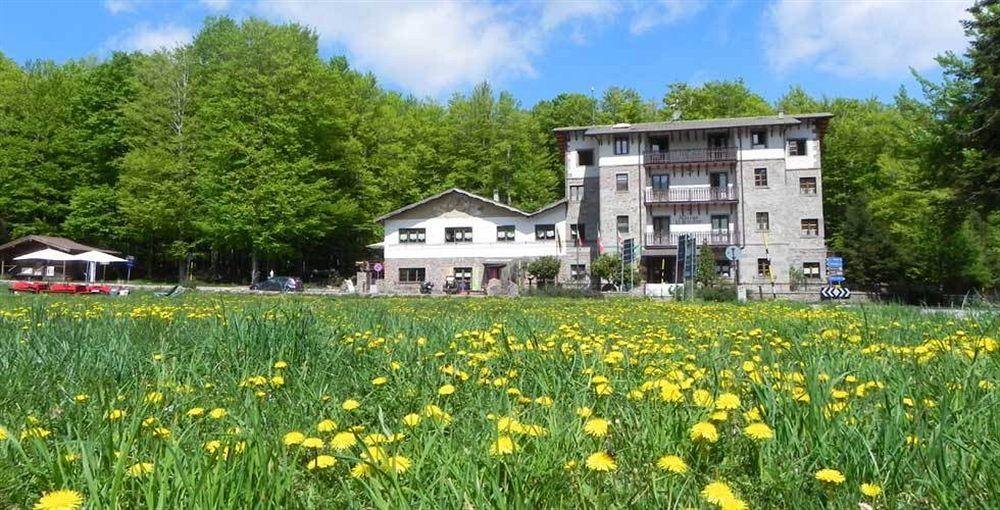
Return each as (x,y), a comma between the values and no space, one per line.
(661,230)
(719,185)
(659,182)
(718,140)
(720,228)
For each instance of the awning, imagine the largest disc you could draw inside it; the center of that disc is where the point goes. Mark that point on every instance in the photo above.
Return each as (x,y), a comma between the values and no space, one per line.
(47,254)
(96,256)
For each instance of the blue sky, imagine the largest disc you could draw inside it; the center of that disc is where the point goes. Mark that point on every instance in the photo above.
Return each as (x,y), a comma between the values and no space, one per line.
(539,48)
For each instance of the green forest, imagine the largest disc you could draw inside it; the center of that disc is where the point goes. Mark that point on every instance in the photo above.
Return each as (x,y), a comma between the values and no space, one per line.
(246,150)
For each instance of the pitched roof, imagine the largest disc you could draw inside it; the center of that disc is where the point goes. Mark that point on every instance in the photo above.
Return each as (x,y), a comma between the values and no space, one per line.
(682,125)
(469,195)
(59,243)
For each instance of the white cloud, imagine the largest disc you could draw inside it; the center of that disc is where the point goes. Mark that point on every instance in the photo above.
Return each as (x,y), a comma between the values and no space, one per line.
(862,37)
(428,47)
(148,38)
(118,6)
(216,5)
(649,14)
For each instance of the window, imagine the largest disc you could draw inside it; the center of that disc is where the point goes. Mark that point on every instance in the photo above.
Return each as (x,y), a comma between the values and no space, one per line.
(810,269)
(505,233)
(724,268)
(718,140)
(661,226)
(412,274)
(621,182)
(763,221)
(758,138)
(578,232)
(458,235)
(810,227)
(659,143)
(807,185)
(623,224)
(797,147)
(659,182)
(576,193)
(621,145)
(463,276)
(763,267)
(585,157)
(412,235)
(578,271)
(760,177)
(545,232)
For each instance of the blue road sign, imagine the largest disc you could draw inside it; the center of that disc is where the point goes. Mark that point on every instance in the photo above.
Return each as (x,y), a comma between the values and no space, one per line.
(835,279)
(834,263)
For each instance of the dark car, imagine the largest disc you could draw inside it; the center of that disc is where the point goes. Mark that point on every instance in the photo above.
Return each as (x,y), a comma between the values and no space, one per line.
(279,284)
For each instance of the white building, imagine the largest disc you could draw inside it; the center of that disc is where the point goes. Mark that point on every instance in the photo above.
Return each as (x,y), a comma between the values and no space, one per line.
(473,238)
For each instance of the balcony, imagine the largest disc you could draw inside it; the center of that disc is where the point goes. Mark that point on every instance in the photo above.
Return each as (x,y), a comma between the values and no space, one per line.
(669,239)
(706,155)
(690,195)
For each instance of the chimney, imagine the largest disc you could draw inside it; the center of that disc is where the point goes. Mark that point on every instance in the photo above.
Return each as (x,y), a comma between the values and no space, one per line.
(781,114)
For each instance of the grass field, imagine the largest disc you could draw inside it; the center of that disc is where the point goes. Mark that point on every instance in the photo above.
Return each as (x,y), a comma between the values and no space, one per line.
(249,402)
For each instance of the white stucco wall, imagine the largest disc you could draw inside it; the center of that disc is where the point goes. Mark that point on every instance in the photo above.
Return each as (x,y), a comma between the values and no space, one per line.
(484,236)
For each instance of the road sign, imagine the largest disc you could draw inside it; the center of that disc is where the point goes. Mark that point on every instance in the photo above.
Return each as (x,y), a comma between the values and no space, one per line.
(834,263)
(130,262)
(834,293)
(733,253)
(378,267)
(628,251)
(836,279)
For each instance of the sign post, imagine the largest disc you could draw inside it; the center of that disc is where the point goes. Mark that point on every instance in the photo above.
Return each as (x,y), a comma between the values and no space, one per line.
(129,263)
(835,279)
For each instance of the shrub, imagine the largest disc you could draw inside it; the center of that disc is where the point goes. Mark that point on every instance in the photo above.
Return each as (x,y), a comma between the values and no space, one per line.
(719,294)
(545,269)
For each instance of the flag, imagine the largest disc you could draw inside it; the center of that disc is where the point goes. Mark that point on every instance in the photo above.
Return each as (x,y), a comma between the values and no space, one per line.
(600,242)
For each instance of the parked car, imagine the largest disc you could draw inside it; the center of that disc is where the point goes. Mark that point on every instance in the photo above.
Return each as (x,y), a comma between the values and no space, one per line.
(279,284)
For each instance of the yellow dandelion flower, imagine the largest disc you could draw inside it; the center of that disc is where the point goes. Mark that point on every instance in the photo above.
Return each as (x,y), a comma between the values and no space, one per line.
(397,464)
(293,438)
(343,440)
(212,446)
(116,414)
(569,465)
(218,413)
(504,445)
(379,381)
(704,431)
(71,457)
(758,431)
(584,412)
(140,469)
(703,398)
(719,416)
(871,490)
(362,470)
(195,412)
(148,421)
(81,398)
(727,402)
(321,462)
(326,426)
(830,476)
(446,390)
(280,365)
(411,420)
(672,463)
(313,443)
(717,493)
(596,427)
(154,397)
(63,499)
(601,461)
(350,404)
(604,389)
(4,434)
(671,392)
(161,432)
(35,432)
(278,380)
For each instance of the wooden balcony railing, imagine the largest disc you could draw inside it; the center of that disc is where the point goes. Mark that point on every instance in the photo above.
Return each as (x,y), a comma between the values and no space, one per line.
(686,195)
(669,239)
(720,154)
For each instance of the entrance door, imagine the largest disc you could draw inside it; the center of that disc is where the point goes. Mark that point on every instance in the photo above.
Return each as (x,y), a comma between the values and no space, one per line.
(492,273)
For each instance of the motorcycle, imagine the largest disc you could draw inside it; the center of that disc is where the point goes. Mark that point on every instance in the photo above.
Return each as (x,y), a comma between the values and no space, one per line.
(426,287)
